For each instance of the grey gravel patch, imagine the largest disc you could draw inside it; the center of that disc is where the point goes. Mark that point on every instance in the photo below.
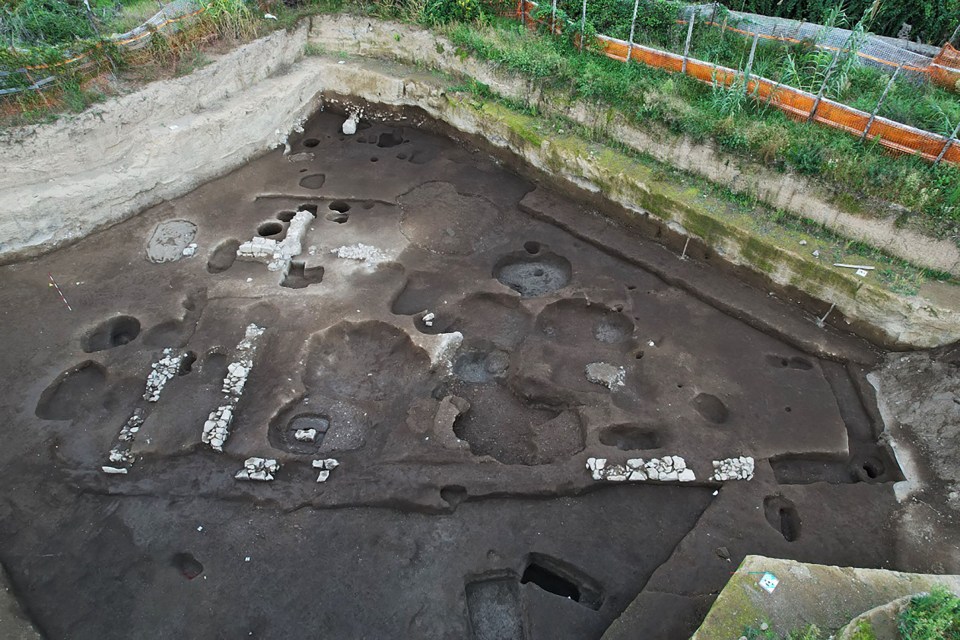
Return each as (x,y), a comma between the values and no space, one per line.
(169,239)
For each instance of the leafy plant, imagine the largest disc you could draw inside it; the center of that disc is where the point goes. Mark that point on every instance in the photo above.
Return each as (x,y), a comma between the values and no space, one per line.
(437,12)
(932,616)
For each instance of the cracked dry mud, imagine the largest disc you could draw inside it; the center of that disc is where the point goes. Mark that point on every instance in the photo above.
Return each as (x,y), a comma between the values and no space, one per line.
(461,507)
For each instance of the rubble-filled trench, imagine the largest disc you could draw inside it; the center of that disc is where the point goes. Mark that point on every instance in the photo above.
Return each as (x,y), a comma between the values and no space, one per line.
(379,386)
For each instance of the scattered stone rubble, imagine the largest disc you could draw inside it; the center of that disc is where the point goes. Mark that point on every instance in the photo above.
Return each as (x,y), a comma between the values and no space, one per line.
(217,427)
(130,428)
(326,466)
(361,253)
(278,254)
(733,469)
(605,374)
(429,318)
(162,372)
(261,469)
(665,469)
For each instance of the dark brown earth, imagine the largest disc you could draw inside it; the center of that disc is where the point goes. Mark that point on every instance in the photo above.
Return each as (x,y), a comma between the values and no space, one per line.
(484,524)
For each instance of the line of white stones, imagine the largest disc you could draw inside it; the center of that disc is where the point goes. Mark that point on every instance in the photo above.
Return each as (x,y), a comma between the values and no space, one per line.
(161,372)
(216,429)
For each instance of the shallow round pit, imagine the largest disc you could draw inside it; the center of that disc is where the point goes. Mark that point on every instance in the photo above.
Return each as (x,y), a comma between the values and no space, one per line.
(314,181)
(286,216)
(339,206)
(389,140)
(223,256)
(336,216)
(532,247)
(481,365)
(711,408)
(311,143)
(269,229)
(533,276)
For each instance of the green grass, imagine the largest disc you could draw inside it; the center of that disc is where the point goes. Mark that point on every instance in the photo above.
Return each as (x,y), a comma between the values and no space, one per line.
(864,631)
(787,230)
(933,616)
(645,95)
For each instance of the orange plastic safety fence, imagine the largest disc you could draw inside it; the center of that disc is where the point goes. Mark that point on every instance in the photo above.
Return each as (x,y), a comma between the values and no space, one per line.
(897,137)
(945,68)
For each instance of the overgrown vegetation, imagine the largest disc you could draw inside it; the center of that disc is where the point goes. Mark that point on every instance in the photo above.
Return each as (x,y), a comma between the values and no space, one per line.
(65,48)
(649,97)
(803,65)
(933,616)
(931,21)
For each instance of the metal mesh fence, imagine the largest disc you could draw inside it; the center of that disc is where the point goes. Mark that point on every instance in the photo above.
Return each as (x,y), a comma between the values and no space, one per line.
(812,107)
(170,19)
(884,53)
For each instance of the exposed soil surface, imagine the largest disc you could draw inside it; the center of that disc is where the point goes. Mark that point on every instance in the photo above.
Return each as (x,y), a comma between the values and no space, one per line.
(462,506)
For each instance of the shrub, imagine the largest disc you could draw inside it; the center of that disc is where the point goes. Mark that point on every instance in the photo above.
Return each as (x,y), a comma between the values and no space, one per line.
(437,12)
(933,616)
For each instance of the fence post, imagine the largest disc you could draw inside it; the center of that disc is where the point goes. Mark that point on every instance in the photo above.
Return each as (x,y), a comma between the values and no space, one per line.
(686,47)
(753,52)
(583,25)
(823,87)
(553,19)
(633,26)
(943,151)
(883,96)
(956,32)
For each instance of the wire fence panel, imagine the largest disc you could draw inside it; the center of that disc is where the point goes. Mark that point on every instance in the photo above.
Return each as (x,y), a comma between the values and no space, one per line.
(169,19)
(894,136)
(877,51)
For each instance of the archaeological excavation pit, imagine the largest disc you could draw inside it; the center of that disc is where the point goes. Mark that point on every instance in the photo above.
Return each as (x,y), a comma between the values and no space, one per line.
(531,431)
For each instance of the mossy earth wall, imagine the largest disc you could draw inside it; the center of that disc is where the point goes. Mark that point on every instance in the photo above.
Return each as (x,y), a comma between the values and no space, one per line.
(64,181)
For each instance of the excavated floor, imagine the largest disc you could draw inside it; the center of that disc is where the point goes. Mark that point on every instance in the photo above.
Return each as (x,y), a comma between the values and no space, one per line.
(462,506)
